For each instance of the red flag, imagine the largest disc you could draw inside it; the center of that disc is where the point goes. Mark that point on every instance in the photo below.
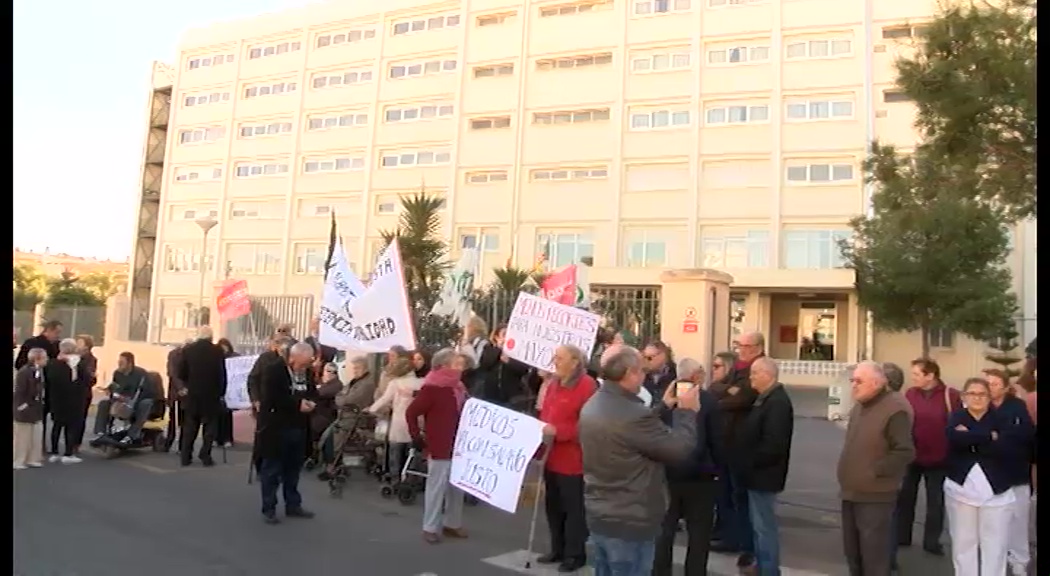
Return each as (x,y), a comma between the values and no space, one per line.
(560,287)
(232,301)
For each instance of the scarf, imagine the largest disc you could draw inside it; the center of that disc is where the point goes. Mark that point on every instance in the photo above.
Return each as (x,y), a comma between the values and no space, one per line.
(449,379)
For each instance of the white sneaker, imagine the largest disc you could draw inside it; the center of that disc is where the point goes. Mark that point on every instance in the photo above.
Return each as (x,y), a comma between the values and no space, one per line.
(35,464)
(20,466)
(54,458)
(71,460)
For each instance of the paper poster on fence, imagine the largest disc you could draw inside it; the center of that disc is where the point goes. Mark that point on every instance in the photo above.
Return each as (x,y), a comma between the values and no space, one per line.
(537,327)
(237,369)
(493,449)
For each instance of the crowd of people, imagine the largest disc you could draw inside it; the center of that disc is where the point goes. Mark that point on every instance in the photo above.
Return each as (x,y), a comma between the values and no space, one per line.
(639,446)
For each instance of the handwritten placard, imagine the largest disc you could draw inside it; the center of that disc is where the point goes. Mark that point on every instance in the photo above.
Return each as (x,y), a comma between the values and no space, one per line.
(493,448)
(537,327)
(237,369)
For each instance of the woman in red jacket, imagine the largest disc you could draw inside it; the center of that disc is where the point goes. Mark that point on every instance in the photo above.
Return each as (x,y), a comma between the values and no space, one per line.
(566,392)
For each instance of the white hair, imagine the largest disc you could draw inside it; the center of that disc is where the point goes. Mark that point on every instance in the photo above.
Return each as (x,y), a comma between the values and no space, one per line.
(687,368)
(301,349)
(204,333)
(37,354)
(67,346)
(876,369)
(443,358)
(767,364)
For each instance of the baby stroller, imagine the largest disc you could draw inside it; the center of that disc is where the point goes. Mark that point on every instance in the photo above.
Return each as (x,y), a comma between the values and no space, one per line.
(412,479)
(353,444)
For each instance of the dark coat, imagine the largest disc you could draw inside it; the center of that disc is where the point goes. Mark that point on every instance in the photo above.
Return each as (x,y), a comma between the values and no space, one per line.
(279,409)
(175,384)
(707,457)
(264,361)
(734,406)
(325,412)
(766,432)
(38,341)
(65,394)
(975,446)
(657,382)
(29,391)
(203,370)
(325,353)
(500,382)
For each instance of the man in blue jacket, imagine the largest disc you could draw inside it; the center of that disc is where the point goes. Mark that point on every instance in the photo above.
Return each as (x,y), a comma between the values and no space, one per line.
(693,484)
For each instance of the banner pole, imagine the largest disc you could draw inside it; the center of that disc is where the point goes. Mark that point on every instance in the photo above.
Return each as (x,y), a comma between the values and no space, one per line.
(540,490)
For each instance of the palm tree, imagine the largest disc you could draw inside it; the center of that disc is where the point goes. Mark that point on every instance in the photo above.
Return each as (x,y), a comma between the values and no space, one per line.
(509,280)
(423,252)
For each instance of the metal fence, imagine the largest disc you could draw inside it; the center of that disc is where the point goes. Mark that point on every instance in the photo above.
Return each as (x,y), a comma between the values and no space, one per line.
(79,320)
(250,333)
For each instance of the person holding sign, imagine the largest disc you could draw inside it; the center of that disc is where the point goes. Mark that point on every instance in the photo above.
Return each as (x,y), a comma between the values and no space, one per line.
(567,391)
(625,448)
(439,403)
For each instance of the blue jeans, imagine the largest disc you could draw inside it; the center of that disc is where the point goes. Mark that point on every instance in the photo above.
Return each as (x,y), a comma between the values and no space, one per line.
(734,521)
(283,472)
(762,506)
(616,557)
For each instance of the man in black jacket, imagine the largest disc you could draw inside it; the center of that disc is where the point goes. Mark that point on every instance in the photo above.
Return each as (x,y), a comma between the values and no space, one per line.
(271,356)
(176,389)
(326,354)
(286,400)
(202,371)
(763,467)
(693,484)
(47,340)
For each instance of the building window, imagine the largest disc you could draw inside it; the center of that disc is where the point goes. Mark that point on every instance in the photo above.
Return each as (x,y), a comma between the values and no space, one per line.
(418,112)
(819,109)
(494,70)
(256,211)
(418,69)
(894,96)
(820,173)
(814,249)
(737,114)
(490,123)
(423,24)
(202,135)
(247,170)
(193,214)
(205,99)
(738,55)
(486,177)
(336,79)
(254,259)
(270,89)
(575,8)
(750,250)
(571,116)
(496,19)
(180,259)
(268,129)
(662,62)
(562,249)
(569,174)
(386,207)
(720,3)
(904,31)
(208,61)
(645,250)
(338,38)
(659,119)
(820,48)
(582,61)
(274,50)
(198,174)
(324,208)
(415,158)
(940,338)
(489,241)
(644,7)
(333,164)
(310,259)
(325,122)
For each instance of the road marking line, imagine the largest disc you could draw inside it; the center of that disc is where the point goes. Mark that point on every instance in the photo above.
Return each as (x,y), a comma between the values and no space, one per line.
(718,564)
(146,467)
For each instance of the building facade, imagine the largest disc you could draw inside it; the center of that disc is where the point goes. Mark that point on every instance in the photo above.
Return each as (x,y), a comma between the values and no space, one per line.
(645,134)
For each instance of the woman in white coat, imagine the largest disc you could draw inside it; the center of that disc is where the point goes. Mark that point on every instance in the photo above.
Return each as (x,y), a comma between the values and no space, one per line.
(400,390)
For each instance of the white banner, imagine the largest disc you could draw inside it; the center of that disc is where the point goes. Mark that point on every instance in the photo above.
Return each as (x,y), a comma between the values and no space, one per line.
(454,299)
(493,449)
(341,286)
(537,327)
(237,369)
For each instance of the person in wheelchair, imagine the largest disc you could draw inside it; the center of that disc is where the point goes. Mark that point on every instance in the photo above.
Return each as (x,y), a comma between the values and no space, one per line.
(132,396)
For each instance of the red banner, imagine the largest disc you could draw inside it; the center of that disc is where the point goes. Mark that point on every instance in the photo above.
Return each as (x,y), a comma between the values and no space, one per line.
(560,287)
(232,301)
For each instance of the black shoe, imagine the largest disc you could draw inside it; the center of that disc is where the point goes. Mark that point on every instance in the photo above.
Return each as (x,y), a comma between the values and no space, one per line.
(935,549)
(298,513)
(271,518)
(207,461)
(571,565)
(324,476)
(551,558)
(722,546)
(185,462)
(744,560)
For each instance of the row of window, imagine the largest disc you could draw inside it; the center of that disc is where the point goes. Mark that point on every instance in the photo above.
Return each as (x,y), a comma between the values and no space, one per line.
(275,49)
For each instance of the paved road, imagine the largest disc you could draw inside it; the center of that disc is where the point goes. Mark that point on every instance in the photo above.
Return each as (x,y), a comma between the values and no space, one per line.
(145,514)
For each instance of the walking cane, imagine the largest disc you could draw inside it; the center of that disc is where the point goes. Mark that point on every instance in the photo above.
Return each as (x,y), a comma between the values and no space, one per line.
(540,489)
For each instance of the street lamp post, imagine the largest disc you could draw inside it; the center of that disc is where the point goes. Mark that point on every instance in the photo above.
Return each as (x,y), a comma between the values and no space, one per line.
(206,224)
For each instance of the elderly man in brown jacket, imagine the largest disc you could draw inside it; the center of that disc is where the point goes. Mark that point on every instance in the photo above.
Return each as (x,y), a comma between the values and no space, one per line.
(874,459)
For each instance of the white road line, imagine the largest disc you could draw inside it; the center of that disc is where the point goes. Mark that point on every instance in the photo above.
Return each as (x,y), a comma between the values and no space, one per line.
(718,564)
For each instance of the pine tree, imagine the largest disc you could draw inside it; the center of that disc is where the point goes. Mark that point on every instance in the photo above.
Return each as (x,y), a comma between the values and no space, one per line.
(1005,351)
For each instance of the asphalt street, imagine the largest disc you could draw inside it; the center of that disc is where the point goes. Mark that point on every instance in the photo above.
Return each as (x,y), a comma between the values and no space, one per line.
(143,514)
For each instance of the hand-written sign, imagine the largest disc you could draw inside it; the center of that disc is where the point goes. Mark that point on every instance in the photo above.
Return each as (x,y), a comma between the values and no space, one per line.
(493,448)
(537,327)
(237,369)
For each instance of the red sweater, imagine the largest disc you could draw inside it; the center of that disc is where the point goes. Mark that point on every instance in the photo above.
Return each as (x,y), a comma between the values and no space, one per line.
(440,409)
(930,428)
(561,409)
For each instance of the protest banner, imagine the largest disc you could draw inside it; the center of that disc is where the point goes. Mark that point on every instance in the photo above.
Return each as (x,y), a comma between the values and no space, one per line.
(232,301)
(560,286)
(537,327)
(237,369)
(454,300)
(494,446)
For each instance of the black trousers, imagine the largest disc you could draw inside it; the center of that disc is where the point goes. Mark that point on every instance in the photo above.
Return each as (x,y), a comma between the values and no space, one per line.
(867,530)
(224,427)
(197,417)
(695,502)
(934,480)
(79,439)
(176,418)
(566,518)
(68,430)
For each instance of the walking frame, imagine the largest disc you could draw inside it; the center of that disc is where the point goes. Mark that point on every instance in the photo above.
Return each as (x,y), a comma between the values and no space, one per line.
(540,490)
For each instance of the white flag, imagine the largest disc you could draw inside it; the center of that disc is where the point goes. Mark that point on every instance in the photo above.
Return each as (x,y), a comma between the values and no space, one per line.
(382,316)
(583,286)
(454,300)
(341,287)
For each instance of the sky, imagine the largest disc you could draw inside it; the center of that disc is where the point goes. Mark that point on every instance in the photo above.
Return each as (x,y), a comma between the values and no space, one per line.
(81,88)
